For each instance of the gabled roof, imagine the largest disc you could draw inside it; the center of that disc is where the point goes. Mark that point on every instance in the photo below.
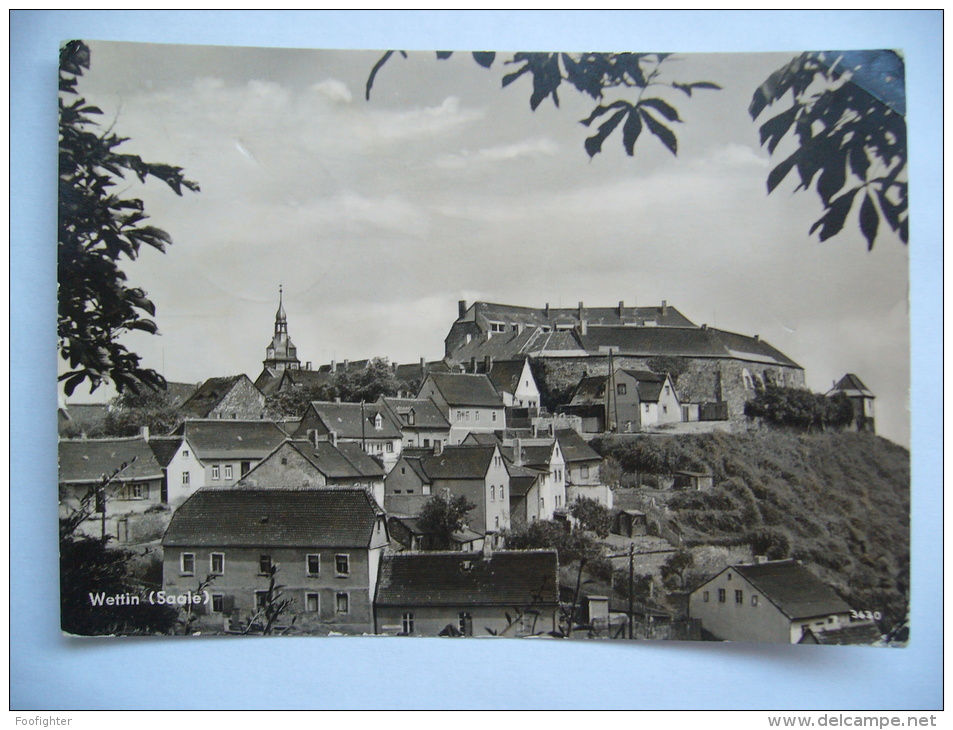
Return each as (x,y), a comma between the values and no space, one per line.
(413,526)
(460,389)
(300,378)
(852,386)
(335,517)
(859,634)
(481,438)
(795,590)
(538,455)
(590,389)
(504,374)
(425,412)
(650,384)
(164,448)
(179,393)
(574,447)
(345,420)
(220,438)
(518,579)
(459,462)
(663,316)
(209,394)
(522,479)
(87,413)
(86,460)
(344,461)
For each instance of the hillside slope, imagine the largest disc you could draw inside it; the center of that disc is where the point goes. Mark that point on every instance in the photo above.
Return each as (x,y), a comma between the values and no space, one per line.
(840,502)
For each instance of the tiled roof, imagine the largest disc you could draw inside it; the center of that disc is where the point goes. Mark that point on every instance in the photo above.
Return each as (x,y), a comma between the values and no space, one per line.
(365,464)
(860,634)
(344,461)
(522,479)
(851,385)
(508,314)
(208,395)
(466,390)
(179,393)
(164,448)
(574,447)
(298,378)
(478,438)
(505,374)
(87,413)
(345,420)
(591,389)
(459,462)
(795,590)
(426,413)
(86,460)
(340,518)
(650,384)
(516,579)
(220,438)
(537,455)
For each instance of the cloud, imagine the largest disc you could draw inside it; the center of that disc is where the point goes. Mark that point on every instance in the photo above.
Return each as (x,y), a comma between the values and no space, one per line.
(336,91)
(738,155)
(528,149)
(425,122)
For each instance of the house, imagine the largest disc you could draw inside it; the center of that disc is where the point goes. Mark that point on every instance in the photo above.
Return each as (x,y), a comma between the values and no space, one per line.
(504,593)
(469,402)
(721,368)
(233,397)
(860,397)
(583,469)
(291,379)
(406,533)
(547,495)
(326,546)
(366,424)
(184,471)
(607,404)
(475,472)
(658,400)
(697,480)
(301,463)
(135,483)
(513,380)
(420,421)
(229,449)
(776,601)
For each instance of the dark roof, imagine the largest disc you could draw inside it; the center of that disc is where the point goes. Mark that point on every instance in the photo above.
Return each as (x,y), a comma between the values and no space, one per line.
(522,479)
(537,455)
(299,378)
(460,389)
(477,438)
(86,460)
(860,634)
(164,448)
(650,384)
(851,385)
(344,461)
(518,579)
(334,517)
(209,394)
(87,413)
(504,374)
(682,341)
(574,446)
(795,590)
(459,462)
(508,314)
(590,389)
(413,526)
(345,420)
(179,393)
(220,438)
(426,413)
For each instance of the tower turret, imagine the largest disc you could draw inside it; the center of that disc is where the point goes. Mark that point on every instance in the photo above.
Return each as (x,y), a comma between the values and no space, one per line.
(281,354)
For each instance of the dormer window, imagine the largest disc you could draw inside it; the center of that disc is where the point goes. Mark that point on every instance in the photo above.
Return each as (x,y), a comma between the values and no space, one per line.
(411,417)
(378,422)
(466,565)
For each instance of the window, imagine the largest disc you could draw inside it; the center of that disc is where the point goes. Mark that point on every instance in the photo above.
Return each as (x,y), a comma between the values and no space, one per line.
(664,408)
(130,491)
(284,461)
(390,447)
(492,493)
(264,564)
(313,565)
(185,453)
(754,600)
(705,597)
(493,416)
(246,467)
(497,327)
(584,472)
(342,603)
(467,415)
(187,564)
(501,492)
(496,522)
(218,603)
(466,623)
(739,597)
(476,415)
(426,443)
(620,389)
(261,599)
(646,407)
(342,565)
(830,619)
(228,471)
(185,477)
(407,622)
(312,602)
(668,390)
(217,563)
(721,595)
(497,461)
(216,472)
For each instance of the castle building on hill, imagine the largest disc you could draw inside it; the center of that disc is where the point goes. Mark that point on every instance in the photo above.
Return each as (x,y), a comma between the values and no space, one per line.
(719,370)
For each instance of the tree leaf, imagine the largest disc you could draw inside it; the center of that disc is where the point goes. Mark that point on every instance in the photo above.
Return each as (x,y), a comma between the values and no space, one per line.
(665,135)
(832,222)
(869,220)
(631,131)
(665,109)
(373,74)
(443,55)
(484,58)
(593,144)
(600,110)
(780,172)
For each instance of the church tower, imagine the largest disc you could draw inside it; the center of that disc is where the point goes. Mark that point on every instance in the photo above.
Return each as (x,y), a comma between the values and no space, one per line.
(281,354)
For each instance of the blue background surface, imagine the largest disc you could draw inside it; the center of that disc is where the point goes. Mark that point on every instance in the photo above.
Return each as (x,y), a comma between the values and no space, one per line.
(52,672)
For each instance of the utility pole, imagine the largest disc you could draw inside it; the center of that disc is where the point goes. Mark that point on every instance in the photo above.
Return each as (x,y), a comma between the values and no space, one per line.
(631,580)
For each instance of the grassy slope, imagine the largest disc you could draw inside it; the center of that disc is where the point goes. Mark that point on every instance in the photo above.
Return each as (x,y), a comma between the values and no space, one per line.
(840,502)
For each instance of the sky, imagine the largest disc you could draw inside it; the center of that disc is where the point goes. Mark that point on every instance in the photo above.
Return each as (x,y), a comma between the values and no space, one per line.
(376,216)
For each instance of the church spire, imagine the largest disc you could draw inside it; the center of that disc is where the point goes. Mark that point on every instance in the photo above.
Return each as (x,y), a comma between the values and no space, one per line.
(281,319)
(281,354)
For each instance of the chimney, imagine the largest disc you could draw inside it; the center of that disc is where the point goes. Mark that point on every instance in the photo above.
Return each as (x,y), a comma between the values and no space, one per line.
(760,559)
(518,452)
(583,326)
(704,326)
(621,307)
(345,363)
(337,399)
(664,308)
(473,362)
(487,363)
(546,311)
(461,308)
(334,367)
(552,430)
(580,310)
(757,338)
(144,432)
(333,438)
(487,548)
(307,365)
